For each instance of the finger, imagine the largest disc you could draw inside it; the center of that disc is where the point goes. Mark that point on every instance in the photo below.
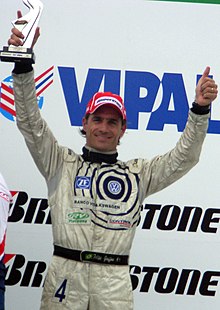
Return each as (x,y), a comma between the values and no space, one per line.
(19,14)
(15,41)
(208,82)
(16,38)
(17,33)
(212,89)
(210,93)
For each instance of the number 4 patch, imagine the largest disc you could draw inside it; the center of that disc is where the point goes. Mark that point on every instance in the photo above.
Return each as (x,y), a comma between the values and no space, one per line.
(61,291)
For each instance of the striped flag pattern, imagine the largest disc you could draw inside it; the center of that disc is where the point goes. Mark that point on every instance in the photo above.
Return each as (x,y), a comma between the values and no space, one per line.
(43,81)
(7,99)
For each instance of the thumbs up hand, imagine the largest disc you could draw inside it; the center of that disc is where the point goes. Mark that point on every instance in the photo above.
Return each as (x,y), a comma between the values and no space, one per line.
(206,89)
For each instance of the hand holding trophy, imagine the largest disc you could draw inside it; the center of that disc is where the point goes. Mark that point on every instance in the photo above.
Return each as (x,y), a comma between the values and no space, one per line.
(27,25)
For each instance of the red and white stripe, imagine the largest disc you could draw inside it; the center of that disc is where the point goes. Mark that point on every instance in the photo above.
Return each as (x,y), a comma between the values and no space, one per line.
(43,81)
(7,99)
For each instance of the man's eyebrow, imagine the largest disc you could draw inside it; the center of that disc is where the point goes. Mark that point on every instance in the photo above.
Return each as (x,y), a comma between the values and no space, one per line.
(107,118)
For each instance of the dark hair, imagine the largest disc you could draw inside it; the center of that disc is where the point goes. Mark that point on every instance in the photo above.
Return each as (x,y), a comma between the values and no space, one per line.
(82,131)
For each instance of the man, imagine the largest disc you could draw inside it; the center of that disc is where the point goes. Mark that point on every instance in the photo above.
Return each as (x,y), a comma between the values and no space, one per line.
(96,199)
(4,209)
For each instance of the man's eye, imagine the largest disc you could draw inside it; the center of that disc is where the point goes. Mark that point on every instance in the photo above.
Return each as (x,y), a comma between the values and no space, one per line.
(113,122)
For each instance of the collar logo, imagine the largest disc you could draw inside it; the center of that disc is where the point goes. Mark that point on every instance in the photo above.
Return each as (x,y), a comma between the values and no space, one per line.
(7,105)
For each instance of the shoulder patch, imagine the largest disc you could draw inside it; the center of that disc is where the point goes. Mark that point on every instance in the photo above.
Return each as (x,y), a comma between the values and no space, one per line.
(69,155)
(135,165)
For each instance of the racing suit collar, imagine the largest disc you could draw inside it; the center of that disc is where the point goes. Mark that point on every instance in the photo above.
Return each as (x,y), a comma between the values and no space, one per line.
(95,156)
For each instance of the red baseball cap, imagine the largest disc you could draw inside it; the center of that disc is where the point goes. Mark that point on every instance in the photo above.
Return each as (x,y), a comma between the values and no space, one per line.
(101,98)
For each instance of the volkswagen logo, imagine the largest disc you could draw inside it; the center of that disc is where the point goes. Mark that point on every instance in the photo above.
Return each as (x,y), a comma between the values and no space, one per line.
(114,187)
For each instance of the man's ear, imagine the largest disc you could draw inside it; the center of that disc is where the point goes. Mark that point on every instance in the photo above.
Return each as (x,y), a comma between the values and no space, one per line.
(84,123)
(123,128)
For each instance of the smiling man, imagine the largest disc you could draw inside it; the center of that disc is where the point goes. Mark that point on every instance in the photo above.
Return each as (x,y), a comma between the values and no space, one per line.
(107,123)
(95,198)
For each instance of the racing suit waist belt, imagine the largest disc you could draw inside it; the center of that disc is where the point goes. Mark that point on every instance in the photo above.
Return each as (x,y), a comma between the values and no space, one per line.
(90,256)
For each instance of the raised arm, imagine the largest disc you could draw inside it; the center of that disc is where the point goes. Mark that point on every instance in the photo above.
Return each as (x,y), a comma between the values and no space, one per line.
(164,170)
(40,140)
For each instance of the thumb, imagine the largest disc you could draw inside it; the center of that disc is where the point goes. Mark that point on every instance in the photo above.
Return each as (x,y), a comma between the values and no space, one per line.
(36,36)
(206,72)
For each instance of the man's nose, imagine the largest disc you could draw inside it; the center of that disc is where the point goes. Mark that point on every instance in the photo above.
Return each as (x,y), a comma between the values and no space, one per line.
(103,127)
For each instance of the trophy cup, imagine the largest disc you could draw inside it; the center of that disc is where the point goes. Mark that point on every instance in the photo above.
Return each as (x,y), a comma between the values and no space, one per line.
(27,25)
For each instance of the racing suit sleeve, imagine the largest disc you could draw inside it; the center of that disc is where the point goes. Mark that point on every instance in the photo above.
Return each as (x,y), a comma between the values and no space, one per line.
(164,170)
(40,141)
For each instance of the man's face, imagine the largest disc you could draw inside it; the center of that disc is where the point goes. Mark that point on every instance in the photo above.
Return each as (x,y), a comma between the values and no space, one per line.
(103,129)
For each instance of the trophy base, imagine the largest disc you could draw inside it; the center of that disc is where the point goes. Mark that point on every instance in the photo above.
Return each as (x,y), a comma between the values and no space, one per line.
(17,54)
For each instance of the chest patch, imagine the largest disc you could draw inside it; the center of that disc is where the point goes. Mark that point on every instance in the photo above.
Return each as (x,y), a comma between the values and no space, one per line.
(82,182)
(78,217)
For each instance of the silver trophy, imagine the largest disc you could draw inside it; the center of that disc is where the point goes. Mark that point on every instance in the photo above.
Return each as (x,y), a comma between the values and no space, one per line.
(27,25)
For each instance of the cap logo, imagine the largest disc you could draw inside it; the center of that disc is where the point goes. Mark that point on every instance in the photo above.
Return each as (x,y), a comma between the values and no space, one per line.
(108,100)
(102,98)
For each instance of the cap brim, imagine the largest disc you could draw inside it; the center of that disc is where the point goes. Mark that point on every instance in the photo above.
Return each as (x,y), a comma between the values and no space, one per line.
(111,105)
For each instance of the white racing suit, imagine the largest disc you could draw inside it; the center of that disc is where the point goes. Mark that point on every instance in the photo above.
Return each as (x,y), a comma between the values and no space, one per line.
(96,207)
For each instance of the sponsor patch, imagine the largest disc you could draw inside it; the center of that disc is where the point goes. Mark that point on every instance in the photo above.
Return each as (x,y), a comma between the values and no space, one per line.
(120,223)
(78,217)
(100,205)
(82,182)
(114,187)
